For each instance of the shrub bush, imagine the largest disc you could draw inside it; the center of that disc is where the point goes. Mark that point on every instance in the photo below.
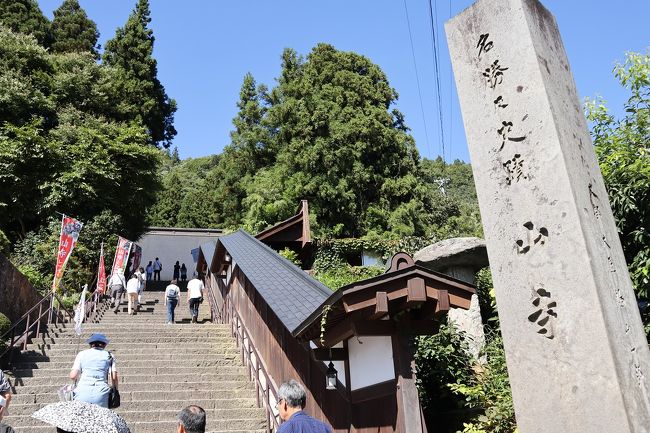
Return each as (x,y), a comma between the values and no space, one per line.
(5,325)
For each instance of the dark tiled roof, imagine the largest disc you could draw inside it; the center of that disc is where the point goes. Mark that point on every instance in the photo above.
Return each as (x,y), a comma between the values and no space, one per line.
(289,291)
(207,249)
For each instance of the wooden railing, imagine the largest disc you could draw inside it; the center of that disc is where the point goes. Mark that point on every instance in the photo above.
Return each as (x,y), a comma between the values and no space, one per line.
(265,389)
(49,310)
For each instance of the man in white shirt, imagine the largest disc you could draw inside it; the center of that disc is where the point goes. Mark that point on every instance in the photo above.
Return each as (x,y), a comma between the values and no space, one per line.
(132,291)
(143,282)
(118,286)
(194,297)
(172,293)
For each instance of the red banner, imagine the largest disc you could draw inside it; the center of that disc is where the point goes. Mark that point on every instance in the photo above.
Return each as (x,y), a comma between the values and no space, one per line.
(101,276)
(137,257)
(70,229)
(121,255)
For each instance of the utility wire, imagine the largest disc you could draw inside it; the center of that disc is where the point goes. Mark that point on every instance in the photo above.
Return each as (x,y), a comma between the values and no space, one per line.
(417,78)
(451,100)
(434,48)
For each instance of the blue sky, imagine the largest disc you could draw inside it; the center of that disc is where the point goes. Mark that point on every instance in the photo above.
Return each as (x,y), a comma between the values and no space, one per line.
(205,47)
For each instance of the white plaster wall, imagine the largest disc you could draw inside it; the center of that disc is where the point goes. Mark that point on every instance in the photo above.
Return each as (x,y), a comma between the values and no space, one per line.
(170,247)
(371,361)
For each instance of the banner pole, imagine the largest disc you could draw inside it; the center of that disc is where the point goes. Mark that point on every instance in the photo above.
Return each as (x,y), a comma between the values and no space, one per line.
(57,253)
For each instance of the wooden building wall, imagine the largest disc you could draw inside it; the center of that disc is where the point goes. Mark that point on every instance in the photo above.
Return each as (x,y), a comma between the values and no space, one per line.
(285,358)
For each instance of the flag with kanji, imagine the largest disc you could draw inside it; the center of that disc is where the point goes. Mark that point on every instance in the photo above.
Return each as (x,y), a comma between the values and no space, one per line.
(70,229)
(121,256)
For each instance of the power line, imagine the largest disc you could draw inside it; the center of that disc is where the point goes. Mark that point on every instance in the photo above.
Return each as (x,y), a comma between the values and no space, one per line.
(434,47)
(451,99)
(417,78)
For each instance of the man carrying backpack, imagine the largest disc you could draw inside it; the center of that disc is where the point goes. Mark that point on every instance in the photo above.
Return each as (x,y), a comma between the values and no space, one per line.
(118,288)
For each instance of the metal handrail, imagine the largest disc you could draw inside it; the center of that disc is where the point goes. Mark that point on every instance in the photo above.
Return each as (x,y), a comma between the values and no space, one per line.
(54,314)
(256,369)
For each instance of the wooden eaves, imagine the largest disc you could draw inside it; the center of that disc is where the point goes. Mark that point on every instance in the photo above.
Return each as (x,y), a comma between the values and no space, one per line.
(294,229)
(407,299)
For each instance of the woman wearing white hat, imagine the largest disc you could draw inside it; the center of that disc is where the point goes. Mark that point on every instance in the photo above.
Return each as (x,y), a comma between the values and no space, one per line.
(91,368)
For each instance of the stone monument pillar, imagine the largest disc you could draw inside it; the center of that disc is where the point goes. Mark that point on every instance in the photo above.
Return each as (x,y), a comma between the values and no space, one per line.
(577,355)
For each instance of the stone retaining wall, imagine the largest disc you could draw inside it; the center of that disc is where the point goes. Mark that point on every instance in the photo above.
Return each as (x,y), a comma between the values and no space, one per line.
(17,295)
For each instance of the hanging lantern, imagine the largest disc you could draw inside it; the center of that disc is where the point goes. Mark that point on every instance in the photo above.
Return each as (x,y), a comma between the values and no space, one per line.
(331,376)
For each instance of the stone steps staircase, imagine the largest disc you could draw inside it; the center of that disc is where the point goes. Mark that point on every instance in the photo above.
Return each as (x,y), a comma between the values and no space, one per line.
(162,369)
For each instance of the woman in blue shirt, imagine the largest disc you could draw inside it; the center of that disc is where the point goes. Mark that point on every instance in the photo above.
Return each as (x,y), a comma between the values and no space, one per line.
(91,369)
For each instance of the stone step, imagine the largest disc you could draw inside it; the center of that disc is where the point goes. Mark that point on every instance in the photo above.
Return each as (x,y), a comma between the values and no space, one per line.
(129,356)
(211,382)
(152,336)
(139,371)
(223,403)
(161,329)
(179,321)
(129,322)
(135,340)
(164,419)
(216,361)
(161,351)
(48,429)
(144,342)
(221,392)
(223,382)
(162,369)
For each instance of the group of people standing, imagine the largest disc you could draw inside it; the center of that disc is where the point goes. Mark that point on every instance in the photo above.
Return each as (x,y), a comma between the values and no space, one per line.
(154,267)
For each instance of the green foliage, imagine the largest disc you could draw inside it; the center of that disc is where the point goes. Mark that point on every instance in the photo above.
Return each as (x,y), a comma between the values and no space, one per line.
(34,255)
(102,162)
(336,141)
(183,199)
(487,298)
(290,255)
(40,282)
(442,359)
(5,243)
(143,96)
(489,389)
(25,166)
(62,148)
(334,253)
(5,325)
(335,278)
(73,31)
(326,133)
(25,79)
(24,16)
(69,300)
(622,147)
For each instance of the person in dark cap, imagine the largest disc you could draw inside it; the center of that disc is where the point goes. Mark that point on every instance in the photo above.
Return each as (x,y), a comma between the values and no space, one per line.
(91,370)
